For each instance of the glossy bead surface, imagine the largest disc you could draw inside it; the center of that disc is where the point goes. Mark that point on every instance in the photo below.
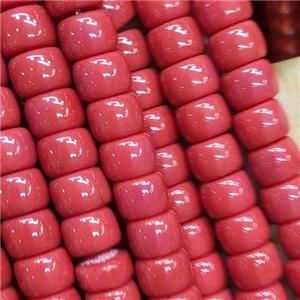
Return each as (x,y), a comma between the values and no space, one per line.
(26,28)
(51,72)
(132,45)
(275,163)
(10,115)
(237,45)
(171,164)
(222,295)
(260,125)
(80,192)
(250,84)
(18,150)
(5,270)
(3,72)
(115,118)
(160,124)
(216,15)
(214,158)
(198,237)
(105,271)
(9,293)
(289,235)
(8,4)
(86,34)
(45,274)
(31,234)
(189,80)
(108,70)
(255,269)
(243,232)
(175,41)
(189,294)
(155,237)
(66,152)
(164,276)
(154,13)
(141,198)
(128,158)
(292,272)
(203,119)
(53,112)
(282,202)
(184,200)
(146,87)
(68,294)
(209,273)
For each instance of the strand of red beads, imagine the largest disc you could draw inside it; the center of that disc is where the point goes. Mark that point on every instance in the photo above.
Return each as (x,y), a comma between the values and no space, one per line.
(215,159)
(259,123)
(30,231)
(128,158)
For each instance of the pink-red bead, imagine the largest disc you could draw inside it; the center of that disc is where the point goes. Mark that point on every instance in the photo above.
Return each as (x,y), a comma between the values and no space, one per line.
(129,291)
(54,112)
(86,34)
(141,198)
(133,47)
(45,274)
(282,202)
(237,45)
(51,72)
(26,28)
(275,163)
(198,237)
(175,41)
(18,150)
(249,85)
(66,152)
(191,293)
(214,158)
(154,13)
(243,232)
(8,4)
(155,237)
(108,71)
(146,87)
(3,72)
(164,276)
(9,110)
(23,192)
(222,295)
(68,294)
(160,124)
(274,291)
(189,80)
(289,236)
(209,273)
(292,272)
(255,269)
(80,192)
(58,8)
(260,125)
(9,293)
(105,271)
(172,165)
(128,158)
(203,119)
(91,233)
(184,200)
(115,118)
(119,11)
(5,270)
(31,234)
(216,15)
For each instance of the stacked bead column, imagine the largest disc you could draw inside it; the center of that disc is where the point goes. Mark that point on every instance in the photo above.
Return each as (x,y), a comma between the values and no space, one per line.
(215,158)
(260,123)
(30,233)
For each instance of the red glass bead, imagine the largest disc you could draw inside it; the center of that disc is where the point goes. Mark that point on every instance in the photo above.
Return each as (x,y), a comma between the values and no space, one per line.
(69,294)
(189,80)
(108,70)
(9,293)
(18,150)
(115,118)
(289,236)
(8,4)
(5,269)
(222,295)
(26,28)
(275,163)
(237,45)
(132,45)
(292,272)
(87,34)
(51,72)
(203,119)
(3,72)
(191,293)
(91,233)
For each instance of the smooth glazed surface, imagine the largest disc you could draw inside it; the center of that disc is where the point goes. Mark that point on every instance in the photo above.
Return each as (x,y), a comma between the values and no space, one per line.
(5,270)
